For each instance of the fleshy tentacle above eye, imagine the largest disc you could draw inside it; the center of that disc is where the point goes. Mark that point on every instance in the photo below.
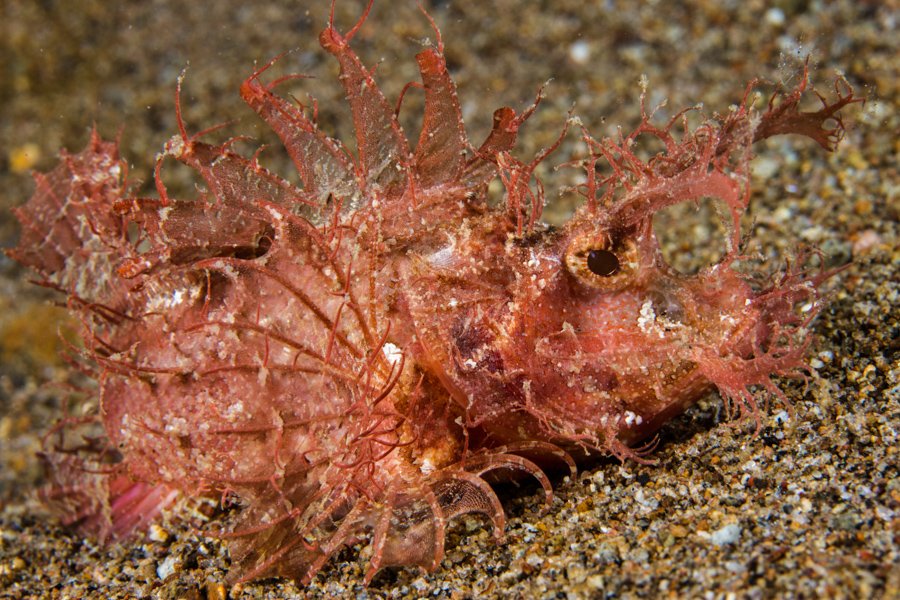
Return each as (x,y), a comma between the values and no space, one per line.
(384,156)
(324,166)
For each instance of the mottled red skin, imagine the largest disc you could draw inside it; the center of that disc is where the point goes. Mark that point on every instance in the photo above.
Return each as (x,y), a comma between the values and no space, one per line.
(350,358)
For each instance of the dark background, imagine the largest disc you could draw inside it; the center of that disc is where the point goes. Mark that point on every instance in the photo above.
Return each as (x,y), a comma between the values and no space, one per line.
(815,498)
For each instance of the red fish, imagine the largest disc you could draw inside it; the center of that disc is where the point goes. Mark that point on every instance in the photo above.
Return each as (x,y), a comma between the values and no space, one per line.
(352,357)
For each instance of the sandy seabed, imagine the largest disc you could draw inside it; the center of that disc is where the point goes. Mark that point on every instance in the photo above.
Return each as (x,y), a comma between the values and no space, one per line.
(809,508)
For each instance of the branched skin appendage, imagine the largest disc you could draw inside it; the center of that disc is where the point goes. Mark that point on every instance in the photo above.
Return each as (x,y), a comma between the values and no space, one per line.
(351,357)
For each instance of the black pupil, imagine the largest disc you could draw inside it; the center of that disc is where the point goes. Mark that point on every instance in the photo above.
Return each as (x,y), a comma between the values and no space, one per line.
(602,262)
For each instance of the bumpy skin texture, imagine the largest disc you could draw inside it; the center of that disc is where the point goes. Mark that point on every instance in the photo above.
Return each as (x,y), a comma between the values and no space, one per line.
(351,358)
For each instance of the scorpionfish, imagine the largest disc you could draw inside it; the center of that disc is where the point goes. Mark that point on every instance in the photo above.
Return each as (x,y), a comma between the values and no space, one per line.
(356,356)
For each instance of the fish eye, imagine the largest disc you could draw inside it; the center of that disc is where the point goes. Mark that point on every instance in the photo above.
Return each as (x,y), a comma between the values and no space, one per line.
(602,262)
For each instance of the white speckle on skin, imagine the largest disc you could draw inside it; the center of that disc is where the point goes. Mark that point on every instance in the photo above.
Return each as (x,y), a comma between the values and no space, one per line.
(727,319)
(446,256)
(647,320)
(392,353)
(276,214)
(177,426)
(166,299)
(174,147)
(234,411)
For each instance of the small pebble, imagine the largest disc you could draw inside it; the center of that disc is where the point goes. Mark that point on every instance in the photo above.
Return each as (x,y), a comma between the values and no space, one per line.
(728,534)
(157,533)
(580,52)
(775,16)
(167,567)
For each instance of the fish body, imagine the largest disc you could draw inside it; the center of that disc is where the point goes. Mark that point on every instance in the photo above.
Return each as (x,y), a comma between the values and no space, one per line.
(353,356)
